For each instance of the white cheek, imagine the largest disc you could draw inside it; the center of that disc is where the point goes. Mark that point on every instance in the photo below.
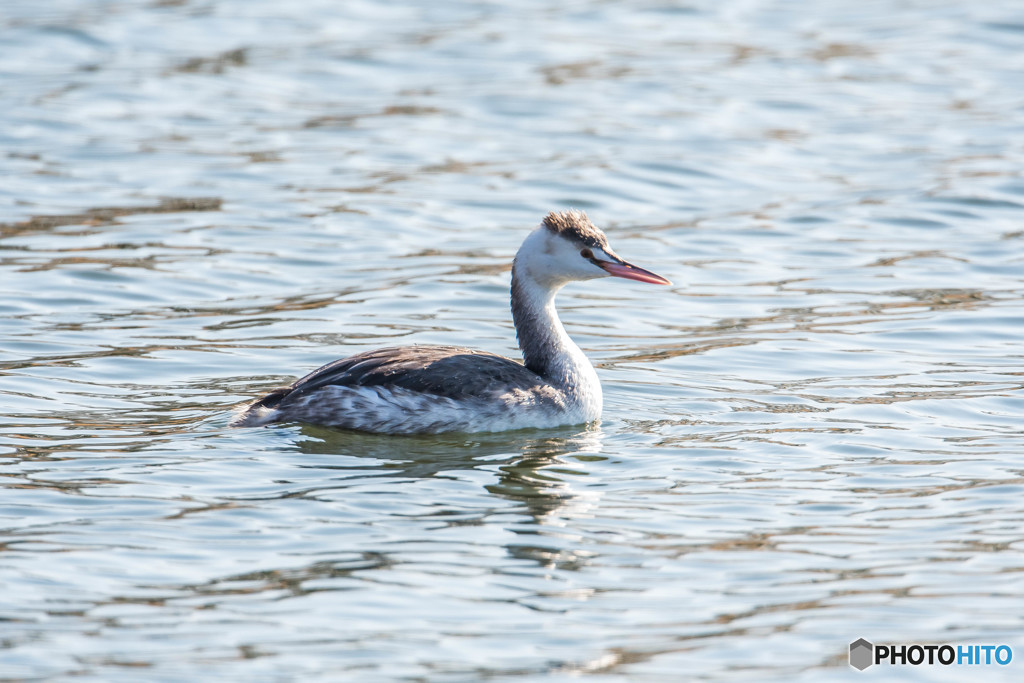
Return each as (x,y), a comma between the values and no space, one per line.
(583,269)
(596,271)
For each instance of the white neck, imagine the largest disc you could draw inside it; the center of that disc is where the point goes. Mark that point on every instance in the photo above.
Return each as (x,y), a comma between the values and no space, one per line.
(547,348)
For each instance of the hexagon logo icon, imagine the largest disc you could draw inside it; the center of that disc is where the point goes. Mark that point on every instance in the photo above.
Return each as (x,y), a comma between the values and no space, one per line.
(862,654)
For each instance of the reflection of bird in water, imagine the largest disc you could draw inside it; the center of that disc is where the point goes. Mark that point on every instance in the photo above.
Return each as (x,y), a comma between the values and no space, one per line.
(521,463)
(432,389)
(339,466)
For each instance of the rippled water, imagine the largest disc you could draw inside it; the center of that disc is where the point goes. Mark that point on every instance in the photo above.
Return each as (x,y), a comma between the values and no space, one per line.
(815,436)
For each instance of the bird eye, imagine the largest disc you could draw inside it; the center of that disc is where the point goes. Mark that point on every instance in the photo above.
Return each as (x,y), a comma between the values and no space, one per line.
(586,253)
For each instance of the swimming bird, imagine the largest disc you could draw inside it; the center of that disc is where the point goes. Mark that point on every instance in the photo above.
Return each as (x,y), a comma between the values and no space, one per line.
(433,389)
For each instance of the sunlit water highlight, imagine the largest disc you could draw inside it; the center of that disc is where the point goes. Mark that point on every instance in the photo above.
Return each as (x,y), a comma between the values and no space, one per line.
(815,436)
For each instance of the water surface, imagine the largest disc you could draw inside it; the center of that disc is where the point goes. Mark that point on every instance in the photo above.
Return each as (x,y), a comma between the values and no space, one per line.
(814,436)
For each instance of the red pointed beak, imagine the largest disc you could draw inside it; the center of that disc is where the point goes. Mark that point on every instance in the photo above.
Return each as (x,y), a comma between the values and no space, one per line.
(631,272)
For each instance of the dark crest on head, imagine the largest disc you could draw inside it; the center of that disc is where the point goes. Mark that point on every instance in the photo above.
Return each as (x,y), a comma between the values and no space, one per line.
(574,224)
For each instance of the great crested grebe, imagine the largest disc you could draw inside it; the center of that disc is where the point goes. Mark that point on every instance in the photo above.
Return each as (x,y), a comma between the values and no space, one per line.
(433,389)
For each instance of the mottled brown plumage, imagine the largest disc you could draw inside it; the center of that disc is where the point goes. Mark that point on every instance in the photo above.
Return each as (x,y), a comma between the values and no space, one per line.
(449,371)
(574,224)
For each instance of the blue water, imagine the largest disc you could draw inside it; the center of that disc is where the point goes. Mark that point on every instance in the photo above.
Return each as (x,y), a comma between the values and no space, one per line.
(814,436)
